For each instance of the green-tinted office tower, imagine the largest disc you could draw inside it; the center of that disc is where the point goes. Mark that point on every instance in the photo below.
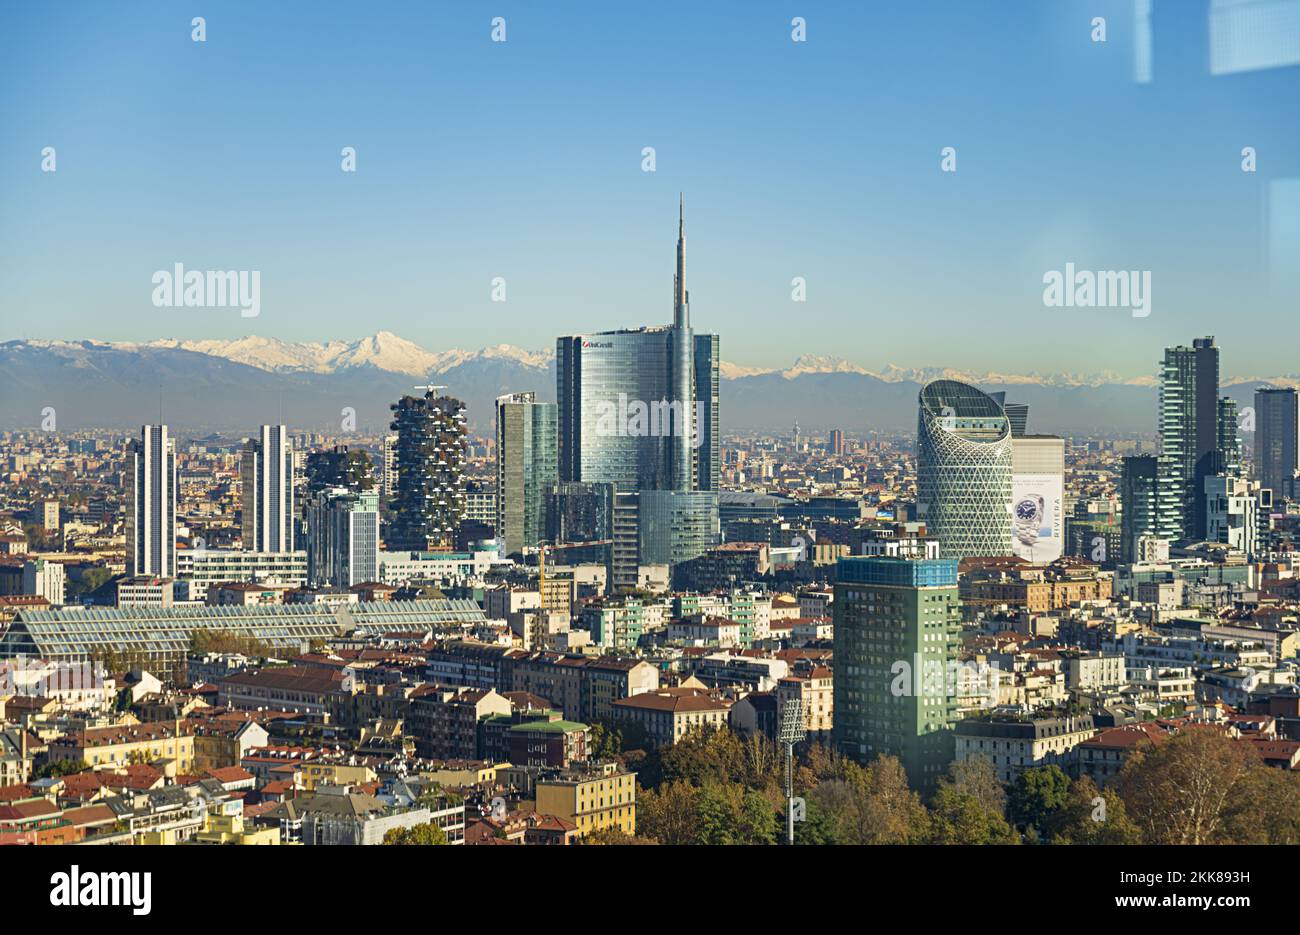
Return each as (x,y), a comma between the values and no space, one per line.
(526,466)
(897,633)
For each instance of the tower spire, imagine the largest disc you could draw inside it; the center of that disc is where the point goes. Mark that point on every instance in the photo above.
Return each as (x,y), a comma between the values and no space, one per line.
(681,309)
(682,373)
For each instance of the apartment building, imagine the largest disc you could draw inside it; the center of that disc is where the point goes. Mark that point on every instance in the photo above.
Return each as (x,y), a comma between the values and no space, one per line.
(815,693)
(222,743)
(1015,744)
(535,738)
(592,799)
(172,741)
(304,690)
(668,714)
(445,721)
(583,687)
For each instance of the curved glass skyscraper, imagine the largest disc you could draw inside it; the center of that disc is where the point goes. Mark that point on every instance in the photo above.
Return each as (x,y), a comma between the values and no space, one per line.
(638,408)
(963,470)
(638,411)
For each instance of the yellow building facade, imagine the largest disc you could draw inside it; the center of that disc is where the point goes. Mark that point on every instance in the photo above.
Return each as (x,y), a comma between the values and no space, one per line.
(595,800)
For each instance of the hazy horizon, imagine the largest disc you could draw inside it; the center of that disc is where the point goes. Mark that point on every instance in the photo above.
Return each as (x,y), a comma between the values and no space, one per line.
(523,160)
(798,362)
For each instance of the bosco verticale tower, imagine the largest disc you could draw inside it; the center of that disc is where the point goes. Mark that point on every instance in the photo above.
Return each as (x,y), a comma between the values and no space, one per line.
(429,501)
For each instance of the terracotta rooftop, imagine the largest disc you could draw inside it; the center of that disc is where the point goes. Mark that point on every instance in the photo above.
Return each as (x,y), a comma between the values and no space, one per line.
(123,734)
(675,701)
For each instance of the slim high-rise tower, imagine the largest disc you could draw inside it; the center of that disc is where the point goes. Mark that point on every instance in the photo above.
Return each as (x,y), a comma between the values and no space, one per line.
(388,484)
(705,429)
(1276,431)
(151,517)
(683,375)
(1227,457)
(266,477)
(1037,496)
(1193,443)
(526,466)
(1138,495)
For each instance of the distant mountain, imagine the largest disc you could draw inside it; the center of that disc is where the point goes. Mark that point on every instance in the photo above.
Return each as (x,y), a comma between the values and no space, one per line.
(231,386)
(212,386)
(860,401)
(809,364)
(382,351)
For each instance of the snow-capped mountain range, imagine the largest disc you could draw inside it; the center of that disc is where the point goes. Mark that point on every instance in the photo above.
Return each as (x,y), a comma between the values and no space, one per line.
(382,350)
(228,384)
(394,354)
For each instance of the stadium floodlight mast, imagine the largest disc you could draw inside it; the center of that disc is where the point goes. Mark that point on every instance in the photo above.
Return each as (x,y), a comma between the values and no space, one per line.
(790,732)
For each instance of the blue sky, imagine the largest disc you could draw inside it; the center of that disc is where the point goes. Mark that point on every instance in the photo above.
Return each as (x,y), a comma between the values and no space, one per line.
(523,160)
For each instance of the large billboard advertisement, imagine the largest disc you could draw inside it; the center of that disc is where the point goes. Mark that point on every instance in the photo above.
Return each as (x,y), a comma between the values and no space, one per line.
(1037,524)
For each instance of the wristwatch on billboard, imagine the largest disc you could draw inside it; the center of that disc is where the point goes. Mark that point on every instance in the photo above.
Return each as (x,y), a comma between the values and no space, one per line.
(1028,513)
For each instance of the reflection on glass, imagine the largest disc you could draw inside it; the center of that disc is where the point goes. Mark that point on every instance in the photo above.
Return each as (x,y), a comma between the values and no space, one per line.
(1248,35)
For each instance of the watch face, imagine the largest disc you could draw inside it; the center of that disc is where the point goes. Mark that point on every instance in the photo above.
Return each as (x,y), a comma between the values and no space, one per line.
(1026,509)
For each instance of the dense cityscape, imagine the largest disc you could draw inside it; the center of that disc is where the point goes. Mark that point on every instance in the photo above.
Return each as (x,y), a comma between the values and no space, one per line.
(361,485)
(609,621)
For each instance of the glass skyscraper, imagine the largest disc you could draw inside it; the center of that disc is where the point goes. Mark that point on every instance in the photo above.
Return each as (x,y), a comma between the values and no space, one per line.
(1190,433)
(1227,459)
(605,384)
(638,410)
(1138,486)
(963,472)
(342,537)
(675,526)
(578,512)
(526,466)
(1276,428)
(706,451)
